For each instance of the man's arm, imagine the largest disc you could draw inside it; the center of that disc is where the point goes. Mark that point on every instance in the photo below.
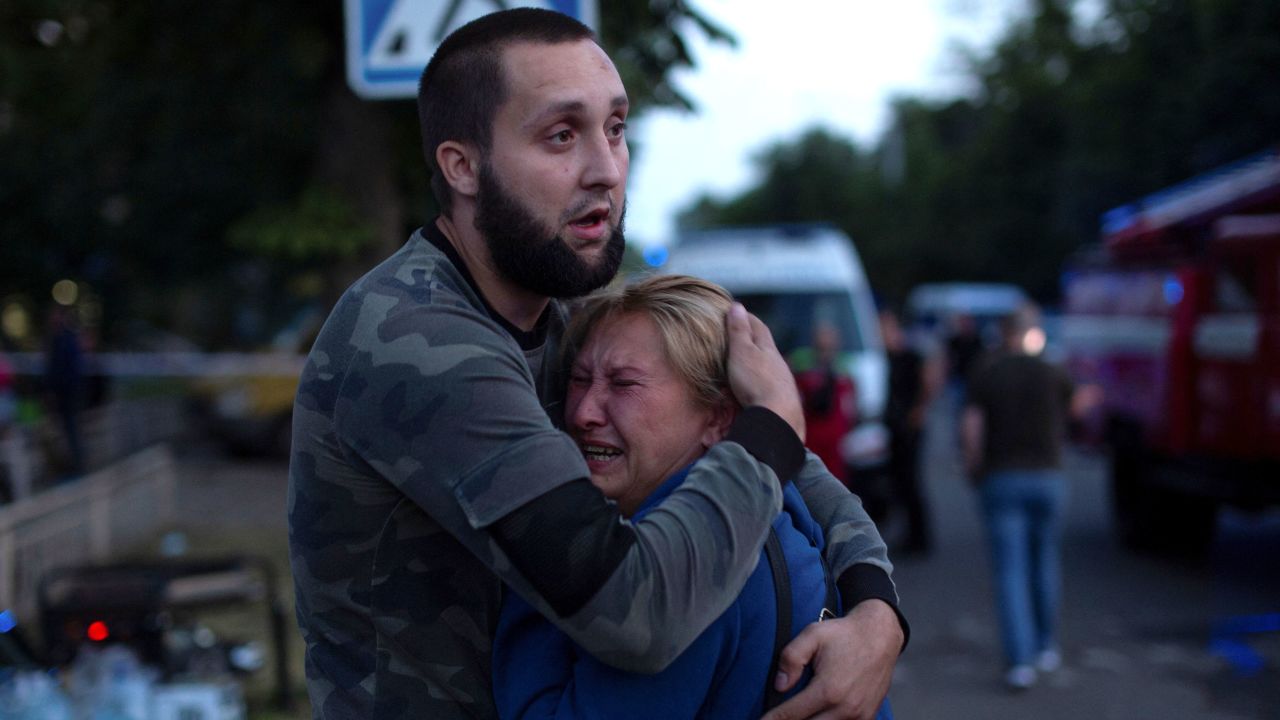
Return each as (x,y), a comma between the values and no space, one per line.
(442,405)
(1083,399)
(853,544)
(636,595)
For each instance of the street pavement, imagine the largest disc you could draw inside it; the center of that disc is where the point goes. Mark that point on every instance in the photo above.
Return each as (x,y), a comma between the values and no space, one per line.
(1144,638)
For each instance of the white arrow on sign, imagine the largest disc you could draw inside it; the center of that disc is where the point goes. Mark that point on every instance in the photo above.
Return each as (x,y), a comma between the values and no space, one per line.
(390,41)
(414,28)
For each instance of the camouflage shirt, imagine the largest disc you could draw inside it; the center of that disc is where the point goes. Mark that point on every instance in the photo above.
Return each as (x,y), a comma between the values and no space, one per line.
(419,445)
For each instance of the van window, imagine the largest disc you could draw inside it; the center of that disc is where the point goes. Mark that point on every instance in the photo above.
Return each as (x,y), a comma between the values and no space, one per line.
(791,317)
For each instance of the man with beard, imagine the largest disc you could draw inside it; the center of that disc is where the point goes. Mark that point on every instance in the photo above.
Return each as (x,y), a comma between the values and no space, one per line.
(426,471)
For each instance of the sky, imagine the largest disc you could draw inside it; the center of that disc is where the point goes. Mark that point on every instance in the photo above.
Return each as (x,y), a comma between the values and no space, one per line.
(835,63)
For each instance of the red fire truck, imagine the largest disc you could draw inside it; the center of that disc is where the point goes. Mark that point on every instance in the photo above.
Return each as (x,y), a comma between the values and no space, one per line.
(1176,315)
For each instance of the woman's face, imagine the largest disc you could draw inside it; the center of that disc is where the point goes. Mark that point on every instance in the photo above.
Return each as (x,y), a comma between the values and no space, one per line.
(634,417)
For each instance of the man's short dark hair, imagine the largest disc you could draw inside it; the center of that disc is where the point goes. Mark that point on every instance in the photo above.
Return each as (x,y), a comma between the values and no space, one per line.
(462,87)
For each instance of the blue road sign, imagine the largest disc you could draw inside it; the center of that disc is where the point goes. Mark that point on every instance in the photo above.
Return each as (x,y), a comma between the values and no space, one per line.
(390,41)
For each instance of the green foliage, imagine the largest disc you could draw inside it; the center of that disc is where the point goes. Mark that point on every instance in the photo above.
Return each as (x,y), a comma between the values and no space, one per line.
(646,39)
(320,225)
(191,149)
(134,134)
(1067,122)
(185,155)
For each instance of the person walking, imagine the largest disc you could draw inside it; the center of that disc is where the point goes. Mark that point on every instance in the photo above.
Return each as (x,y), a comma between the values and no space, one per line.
(1012,433)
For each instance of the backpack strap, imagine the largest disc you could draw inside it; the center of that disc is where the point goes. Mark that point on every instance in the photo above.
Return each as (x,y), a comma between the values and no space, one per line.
(782,633)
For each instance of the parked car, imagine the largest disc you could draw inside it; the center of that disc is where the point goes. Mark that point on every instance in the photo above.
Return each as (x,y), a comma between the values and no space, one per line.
(245,400)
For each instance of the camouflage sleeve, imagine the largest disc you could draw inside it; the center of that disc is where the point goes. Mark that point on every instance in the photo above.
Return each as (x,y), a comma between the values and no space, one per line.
(441,403)
(691,556)
(444,407)
(854,549)
(850,534)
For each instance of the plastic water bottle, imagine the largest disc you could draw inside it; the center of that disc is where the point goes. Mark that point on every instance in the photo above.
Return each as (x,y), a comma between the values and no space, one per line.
(33,695)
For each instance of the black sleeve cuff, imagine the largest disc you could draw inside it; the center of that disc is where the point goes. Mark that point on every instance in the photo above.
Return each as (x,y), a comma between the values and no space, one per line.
(769,439)
(566,542)
(867,582)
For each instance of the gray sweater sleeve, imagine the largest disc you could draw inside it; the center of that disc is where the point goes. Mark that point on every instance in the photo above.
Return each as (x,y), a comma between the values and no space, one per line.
(692,555)
(851,535)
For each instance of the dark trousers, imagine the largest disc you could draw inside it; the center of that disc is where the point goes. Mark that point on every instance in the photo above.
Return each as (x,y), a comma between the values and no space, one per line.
(904,474)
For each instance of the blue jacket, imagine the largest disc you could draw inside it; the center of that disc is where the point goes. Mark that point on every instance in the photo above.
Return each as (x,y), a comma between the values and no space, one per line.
(540,673)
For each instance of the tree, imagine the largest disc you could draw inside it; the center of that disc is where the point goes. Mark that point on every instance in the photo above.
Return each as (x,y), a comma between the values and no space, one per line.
(194,161)
(1068,121)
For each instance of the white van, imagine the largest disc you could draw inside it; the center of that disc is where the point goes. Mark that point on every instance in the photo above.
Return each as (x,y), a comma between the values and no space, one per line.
(795,277)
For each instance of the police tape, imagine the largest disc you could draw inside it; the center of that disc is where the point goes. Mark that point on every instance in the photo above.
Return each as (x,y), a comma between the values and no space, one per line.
(173,364)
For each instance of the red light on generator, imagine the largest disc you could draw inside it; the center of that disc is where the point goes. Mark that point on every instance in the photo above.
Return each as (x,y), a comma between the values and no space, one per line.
(98,631)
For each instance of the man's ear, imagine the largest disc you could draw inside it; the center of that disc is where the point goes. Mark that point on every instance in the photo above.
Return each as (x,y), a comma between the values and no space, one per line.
(722,415)
(460,165)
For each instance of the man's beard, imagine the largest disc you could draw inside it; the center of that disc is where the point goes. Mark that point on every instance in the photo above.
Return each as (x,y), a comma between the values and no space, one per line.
(533,256)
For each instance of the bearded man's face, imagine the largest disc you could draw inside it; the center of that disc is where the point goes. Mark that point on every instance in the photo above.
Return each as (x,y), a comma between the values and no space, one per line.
(531,252)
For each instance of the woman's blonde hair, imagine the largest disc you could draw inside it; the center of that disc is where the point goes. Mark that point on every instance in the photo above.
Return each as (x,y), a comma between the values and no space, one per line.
(689,313)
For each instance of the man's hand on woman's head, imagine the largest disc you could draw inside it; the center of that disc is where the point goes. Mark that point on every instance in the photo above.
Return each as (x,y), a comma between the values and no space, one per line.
(758,374)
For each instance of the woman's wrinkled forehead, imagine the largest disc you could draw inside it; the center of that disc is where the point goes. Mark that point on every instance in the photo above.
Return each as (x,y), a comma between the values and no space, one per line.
(619,325)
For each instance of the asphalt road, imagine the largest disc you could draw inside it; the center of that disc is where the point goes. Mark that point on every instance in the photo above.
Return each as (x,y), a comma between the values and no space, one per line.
(1143,637)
